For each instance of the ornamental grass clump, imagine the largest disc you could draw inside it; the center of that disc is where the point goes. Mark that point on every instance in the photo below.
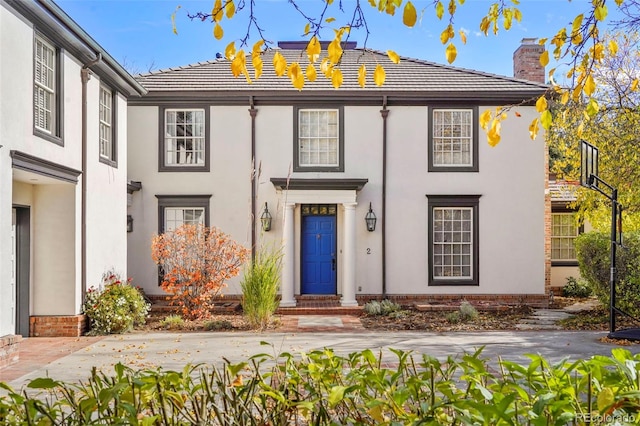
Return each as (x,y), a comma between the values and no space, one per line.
(260,285)
(115,306)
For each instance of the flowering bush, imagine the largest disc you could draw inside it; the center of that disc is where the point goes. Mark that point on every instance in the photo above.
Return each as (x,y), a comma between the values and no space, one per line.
(114,307)
(196,261)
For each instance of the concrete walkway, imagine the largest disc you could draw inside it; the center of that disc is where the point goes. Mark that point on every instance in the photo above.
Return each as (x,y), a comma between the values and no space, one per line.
(174,350)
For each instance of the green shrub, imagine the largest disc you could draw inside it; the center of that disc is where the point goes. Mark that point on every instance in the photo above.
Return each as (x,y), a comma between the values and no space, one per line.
(576,288)
(593,252)
(467,311)
(217,325)
(385,307)
(115,307)
(324,388)
(172,322)
(260,285)
(453,317)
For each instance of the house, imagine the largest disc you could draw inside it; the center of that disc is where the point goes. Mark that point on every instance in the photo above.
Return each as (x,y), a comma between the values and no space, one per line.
(455,218)
(63,169)
(564,230)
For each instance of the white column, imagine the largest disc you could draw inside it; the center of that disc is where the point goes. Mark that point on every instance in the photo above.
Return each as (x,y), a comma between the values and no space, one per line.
(288,258)
(349,256)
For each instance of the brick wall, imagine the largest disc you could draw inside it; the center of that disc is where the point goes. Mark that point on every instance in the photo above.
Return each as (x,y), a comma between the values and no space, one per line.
(526,61)
(9,349)
(57,326)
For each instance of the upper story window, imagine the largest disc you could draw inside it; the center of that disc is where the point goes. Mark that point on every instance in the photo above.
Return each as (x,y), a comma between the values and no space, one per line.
(185,142)
(318,144)
(46,91)
(564,231)
(107,126)
(453,140)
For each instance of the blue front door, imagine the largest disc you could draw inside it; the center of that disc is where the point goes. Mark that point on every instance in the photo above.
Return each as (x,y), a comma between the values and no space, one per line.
(318,255)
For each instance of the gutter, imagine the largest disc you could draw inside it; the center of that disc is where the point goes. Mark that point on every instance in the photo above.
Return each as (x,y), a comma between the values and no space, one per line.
(384,112)
(85,76)
(253,112)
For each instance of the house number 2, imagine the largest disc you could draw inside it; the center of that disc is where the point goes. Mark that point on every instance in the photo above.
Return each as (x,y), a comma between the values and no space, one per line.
(368,250)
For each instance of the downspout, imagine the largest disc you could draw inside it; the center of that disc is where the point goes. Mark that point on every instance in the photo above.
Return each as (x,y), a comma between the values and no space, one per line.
(253,112)
(85,76)
(384,112)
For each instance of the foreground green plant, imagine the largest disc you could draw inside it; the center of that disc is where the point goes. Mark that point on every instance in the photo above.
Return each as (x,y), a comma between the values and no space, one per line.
(385,307)
(115,307)
(260,285)
(323,388)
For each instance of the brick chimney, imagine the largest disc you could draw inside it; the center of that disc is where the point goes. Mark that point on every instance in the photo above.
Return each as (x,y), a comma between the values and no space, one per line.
(526,61)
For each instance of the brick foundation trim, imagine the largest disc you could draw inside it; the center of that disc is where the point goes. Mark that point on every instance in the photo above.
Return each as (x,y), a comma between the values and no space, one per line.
(9,349)
(57,325)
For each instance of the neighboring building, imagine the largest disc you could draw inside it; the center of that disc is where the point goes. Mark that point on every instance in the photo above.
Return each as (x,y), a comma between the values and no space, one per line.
(63,168)
(455,217)
(564,230)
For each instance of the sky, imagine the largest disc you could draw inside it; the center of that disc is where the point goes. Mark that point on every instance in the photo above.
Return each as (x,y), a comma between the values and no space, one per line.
(139,33)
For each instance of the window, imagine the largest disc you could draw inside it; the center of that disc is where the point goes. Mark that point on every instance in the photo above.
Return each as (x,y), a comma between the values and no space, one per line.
(46,91)
(185,142)
(453,140)
(318,144)
(564,231)
(107,126)
(453,240)
(176,210)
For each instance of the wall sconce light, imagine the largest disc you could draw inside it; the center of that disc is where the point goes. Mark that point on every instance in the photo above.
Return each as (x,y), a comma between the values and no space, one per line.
(265,218)
(371,220)
(129,223)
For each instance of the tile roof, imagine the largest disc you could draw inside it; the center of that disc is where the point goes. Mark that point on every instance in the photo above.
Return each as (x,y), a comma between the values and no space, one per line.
(410,77)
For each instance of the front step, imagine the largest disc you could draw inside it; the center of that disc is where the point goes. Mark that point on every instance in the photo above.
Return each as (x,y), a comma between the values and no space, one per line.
(319,305)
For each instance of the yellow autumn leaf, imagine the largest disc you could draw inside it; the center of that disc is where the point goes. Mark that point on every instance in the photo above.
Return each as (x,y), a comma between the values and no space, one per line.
(313,49)
(230,9)
(218,33)
(236,66)
(564,99)
(326,67)
(451,53)
(217,12)
(307,28)
(379,75)
(311,73)
(173,20)
(463,36)
(329,20)
(601,12)
(445,35)
(237,381)
(409,16)
(589,85)
(230,51)
(534,128)
(362,75)
(485,117)
(296,76)
(334,51)
(546,119)
(256,60)
(634,85)
(580,130)
(544,58)
(541,104)
(336,78)
(257,47)
(439,10)
(493,135)
(393,56)
(592,107)
(613,47)
(279,64)
(577,22)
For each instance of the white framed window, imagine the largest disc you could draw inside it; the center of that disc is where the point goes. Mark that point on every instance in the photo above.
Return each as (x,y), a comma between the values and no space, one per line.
(177,210)
(453,239)
(452,242)
(185,142)
(107,124)
(318,142)
(453,139)
(564,231)
(174,217)
(44,91)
